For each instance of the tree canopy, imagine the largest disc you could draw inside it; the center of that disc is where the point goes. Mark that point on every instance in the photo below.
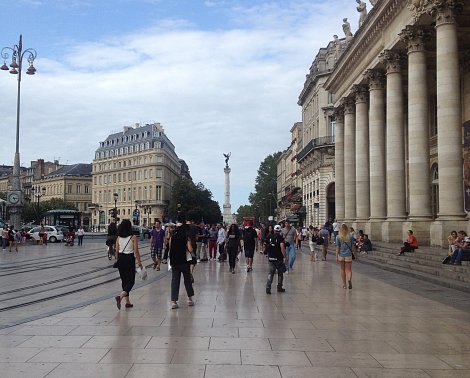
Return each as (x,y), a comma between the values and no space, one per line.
(263,200)
(193,202)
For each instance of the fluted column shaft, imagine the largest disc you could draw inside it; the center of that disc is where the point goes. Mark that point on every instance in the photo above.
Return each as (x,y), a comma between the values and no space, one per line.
(349,160)
(395,158)
(378,204)
(418,124)
(362,153)
(449,123)
(339,163)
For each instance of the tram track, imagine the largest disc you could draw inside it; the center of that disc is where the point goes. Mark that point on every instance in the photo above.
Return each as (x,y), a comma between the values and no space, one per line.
(53,289)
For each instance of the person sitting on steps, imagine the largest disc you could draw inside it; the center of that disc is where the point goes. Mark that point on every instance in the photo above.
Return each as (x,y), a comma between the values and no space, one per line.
(410,244)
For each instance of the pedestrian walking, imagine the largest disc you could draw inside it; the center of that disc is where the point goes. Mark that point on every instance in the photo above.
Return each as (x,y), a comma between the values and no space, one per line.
(111,239)
(157,238)
(11,239)
(80,235)
(213,235)
(277,259)
(323,240)
(249,243)
(233,245)
(127,253)
(4,237)
(181,248)
(221,242)
(289,234)
(344,251)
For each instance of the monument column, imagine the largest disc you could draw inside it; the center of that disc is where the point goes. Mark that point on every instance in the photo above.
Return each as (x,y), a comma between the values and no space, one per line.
(449,112)
(395,144)
(339,163)
(227,215)
(349,160)
(418,125)
(378,204)
(362,154)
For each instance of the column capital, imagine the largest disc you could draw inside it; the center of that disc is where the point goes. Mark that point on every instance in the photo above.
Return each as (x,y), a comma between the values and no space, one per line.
(393,60)
(415,38)
(339,114)
(348,105)
(445,11)
(376,79)
(360,92)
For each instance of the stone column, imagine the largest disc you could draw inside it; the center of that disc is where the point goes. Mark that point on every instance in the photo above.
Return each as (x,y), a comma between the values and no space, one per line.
(449,113)
(418,124)
(362,154)
(395,158)
(349,160)
(227,215)
(339,163)
(378,204)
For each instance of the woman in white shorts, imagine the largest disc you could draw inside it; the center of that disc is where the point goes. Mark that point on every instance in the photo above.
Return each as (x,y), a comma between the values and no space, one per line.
(311,236)
(344,251)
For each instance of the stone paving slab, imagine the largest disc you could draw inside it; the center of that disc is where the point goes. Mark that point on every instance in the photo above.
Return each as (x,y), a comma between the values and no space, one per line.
(386,326)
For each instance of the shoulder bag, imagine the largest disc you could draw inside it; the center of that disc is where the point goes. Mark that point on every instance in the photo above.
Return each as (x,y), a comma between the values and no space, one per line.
(116,264)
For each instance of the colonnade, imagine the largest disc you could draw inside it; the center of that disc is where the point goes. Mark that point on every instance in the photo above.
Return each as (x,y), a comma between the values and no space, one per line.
(373,177)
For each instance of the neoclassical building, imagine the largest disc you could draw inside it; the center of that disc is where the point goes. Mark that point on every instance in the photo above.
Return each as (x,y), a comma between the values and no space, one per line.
(135,170)
(401,96)
(316,153)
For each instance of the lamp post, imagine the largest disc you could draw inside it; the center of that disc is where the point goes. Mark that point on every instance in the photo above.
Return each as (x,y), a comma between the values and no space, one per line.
(38,192)
(178,209)
(115,195)
(15,197)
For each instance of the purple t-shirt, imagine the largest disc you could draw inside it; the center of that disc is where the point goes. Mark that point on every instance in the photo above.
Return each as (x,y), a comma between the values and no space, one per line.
(157,238)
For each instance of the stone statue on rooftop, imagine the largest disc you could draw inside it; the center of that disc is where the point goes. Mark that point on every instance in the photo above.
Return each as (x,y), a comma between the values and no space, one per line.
(362,9)
(373,2)
(347,30)
(227,157)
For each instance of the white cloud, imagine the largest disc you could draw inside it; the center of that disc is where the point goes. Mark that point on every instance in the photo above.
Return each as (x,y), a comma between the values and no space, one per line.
(213,91)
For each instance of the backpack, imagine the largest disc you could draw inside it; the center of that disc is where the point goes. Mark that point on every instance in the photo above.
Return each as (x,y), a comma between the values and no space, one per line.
(320,240)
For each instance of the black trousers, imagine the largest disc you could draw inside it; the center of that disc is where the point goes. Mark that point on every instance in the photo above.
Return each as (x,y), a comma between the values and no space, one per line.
(126,268)
(273,266)
(176,271)
(232,256)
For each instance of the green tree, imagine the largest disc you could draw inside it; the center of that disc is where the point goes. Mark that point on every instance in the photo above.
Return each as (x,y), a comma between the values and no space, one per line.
(32,211)
(263,199)
(193,201)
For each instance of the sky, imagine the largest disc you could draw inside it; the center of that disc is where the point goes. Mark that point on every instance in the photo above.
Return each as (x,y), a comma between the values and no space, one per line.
(219,75)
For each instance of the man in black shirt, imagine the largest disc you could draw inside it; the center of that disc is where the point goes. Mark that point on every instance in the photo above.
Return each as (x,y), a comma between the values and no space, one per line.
(249,244)
(276,250)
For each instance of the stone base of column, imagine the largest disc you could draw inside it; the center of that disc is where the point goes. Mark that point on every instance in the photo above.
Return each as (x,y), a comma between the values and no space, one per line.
(439,230)
(420,228)
(392,231)
(373,228)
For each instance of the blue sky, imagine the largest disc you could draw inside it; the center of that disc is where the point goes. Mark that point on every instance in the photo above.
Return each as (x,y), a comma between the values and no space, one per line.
(219,75)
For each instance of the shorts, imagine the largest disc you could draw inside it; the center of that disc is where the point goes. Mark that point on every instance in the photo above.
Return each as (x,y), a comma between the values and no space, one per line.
(156,252)
(249,252)
(345,258)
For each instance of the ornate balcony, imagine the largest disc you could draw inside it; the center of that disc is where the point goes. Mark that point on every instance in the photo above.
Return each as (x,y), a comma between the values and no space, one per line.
(314,144)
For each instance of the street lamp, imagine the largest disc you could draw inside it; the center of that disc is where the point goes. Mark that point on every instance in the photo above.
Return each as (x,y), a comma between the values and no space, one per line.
(38,192)
(15,198)
(115,195)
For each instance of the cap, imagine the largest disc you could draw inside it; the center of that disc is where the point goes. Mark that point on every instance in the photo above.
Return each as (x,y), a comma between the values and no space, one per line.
(277,228)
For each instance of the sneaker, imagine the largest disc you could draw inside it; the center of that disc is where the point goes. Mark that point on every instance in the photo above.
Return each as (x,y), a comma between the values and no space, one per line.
(174,305)
(268,291)
(349,284)
(233,271)
(190,302)
(198,260)
(281,290)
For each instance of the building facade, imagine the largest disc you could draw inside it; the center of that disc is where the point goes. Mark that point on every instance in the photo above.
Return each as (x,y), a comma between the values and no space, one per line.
(134,171)
(289,191)
(402,98)
(316,153)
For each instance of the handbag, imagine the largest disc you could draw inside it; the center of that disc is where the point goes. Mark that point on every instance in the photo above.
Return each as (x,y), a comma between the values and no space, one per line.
(352,253)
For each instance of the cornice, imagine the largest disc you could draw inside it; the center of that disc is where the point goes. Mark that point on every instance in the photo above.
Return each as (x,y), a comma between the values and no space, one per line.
(379,18)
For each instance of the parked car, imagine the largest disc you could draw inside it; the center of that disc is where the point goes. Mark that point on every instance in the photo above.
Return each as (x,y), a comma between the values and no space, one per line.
(53,233)
(138,231)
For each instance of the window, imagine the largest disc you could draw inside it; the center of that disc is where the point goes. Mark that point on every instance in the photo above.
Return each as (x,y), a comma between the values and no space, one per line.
(87,189)
(158,194)
(78,188)
(69,188)
(159,173)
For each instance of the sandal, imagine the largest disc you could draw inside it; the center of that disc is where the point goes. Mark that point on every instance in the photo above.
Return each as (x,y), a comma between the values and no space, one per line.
(118,302)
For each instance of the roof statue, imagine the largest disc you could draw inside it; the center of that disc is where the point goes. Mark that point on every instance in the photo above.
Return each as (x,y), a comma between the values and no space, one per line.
(347,30)
(362,9)
(227,157)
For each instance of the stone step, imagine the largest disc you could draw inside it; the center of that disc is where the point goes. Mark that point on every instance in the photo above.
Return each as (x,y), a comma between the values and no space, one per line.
(423,260)
(438,280)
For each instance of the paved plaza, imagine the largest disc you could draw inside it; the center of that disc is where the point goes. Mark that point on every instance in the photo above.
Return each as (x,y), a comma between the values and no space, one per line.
(388,325)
